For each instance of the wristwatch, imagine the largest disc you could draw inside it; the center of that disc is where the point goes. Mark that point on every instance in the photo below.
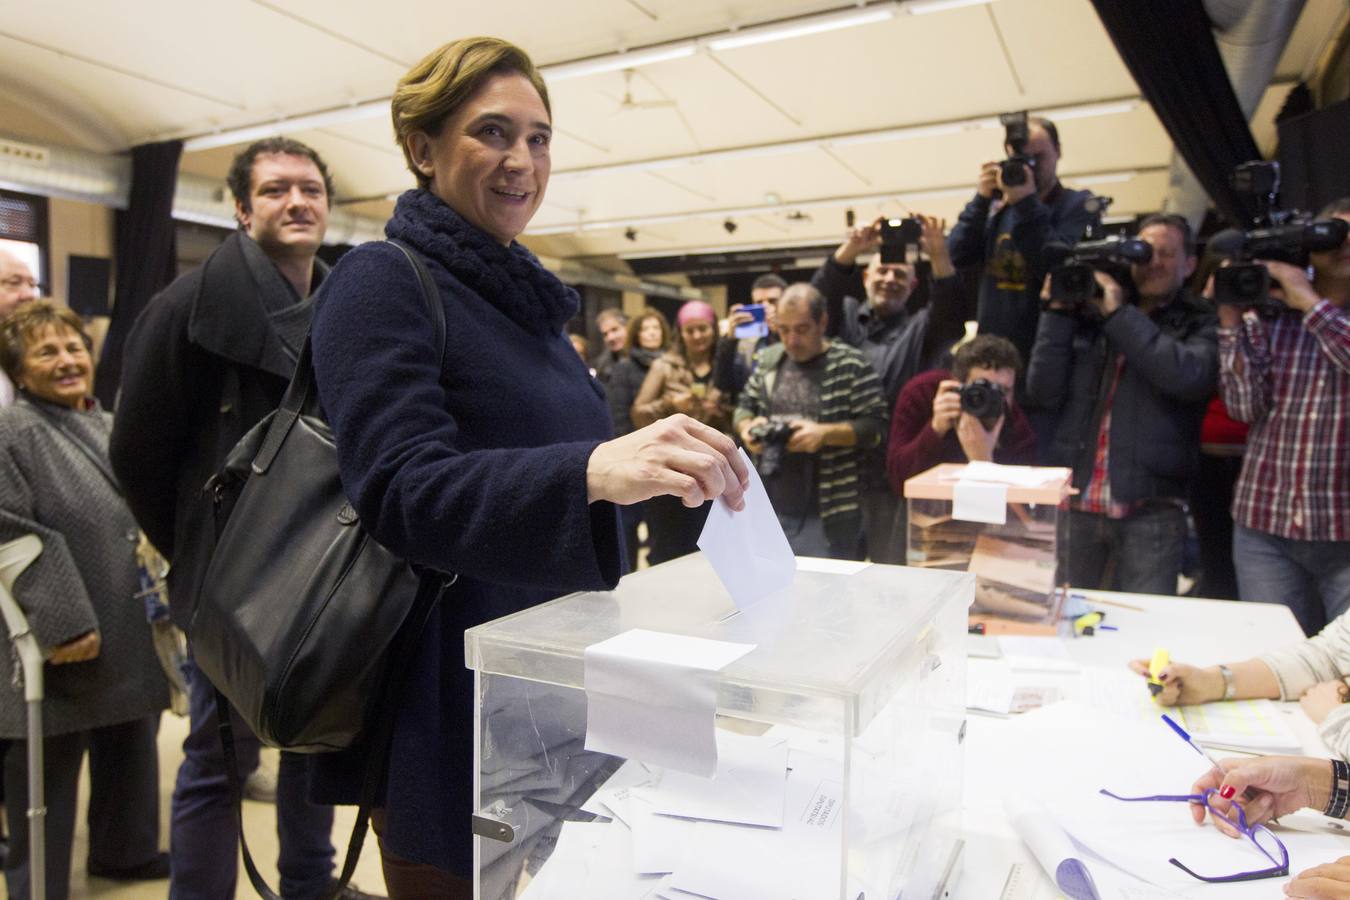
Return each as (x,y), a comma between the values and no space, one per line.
(1229,690)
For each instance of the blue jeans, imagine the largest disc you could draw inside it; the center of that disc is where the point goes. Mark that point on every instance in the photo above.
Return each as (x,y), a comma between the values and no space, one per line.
(1140,554)
(1312,578)
(204,839)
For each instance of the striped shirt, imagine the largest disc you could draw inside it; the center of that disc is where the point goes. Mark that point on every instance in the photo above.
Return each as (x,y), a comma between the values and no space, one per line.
(1290,379)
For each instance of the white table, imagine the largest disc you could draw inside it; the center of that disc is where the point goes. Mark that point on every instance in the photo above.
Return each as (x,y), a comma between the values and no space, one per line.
(1201,632)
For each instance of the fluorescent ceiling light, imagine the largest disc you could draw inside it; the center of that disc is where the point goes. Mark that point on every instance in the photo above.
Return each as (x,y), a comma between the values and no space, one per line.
(343,115)
(923,7)
(763,34)
(1107,178)
(1088,110)
(615,62)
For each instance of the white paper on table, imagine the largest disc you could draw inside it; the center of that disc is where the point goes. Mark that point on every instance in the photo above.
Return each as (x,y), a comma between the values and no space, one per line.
(989,686)
(748,549)
(977,501)
(652,697)
(1021,476)
(1051,846)
(1252,724)
(801,860)
(830,566)
(748,788)
(1036,654)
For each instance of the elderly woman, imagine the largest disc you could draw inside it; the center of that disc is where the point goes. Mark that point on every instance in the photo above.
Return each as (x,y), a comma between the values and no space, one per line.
(681,380)
(104,687)
(493,459)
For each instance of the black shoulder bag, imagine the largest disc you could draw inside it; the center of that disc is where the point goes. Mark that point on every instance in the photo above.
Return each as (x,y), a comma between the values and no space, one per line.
(303,622)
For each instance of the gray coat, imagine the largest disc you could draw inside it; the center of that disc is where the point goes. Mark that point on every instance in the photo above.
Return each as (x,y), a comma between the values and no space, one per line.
(85,578)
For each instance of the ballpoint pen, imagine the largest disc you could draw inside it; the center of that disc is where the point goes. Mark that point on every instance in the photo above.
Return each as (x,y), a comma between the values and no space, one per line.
(1181,732)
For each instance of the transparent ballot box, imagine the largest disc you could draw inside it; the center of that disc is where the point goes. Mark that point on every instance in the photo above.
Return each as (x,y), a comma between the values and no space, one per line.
(839,743)
(1007,533)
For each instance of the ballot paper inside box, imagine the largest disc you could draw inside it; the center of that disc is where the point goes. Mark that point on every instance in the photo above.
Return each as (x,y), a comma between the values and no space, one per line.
(839,756)
(1004,524)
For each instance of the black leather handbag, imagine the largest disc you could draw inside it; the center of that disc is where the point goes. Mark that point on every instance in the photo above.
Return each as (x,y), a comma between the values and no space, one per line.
(299,606)
(304,623)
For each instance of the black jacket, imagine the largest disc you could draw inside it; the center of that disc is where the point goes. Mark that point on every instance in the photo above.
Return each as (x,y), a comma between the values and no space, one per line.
(625,380)
(1171,366)
(1009,247)
(203,366)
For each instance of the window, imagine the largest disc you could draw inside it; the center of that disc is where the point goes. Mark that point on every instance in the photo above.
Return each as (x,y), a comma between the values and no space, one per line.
(23,232)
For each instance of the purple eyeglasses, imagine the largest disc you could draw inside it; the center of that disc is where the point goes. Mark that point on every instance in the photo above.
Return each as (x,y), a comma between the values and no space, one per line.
(1265,840)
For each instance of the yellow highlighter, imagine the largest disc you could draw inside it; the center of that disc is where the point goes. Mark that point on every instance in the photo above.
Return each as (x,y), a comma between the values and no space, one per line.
(1155,666)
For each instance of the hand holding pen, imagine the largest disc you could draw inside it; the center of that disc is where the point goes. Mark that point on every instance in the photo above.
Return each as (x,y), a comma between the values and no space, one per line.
(1268,786)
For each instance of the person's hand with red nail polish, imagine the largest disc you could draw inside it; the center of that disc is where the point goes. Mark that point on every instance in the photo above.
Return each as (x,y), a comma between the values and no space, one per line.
(1184,685)
(1265,787)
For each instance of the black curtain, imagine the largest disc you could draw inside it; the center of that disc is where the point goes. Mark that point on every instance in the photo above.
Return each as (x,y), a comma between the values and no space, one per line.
(147,258)
(1169,48)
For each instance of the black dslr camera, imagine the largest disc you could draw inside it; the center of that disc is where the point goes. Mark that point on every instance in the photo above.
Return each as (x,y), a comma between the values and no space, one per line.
(984,400)
(773,437)
(1282,235)
(900,240)
(1071,268)
(1016,133)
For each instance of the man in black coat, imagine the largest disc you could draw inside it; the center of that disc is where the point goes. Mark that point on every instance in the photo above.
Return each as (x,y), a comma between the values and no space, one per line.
(1131,381)
(207,359)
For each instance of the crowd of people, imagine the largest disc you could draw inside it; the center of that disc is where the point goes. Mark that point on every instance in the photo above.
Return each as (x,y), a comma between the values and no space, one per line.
(527,471)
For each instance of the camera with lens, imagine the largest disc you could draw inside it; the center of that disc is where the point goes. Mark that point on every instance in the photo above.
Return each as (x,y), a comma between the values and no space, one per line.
(1016,133)
(773,437)
(1282,235)
(1071,267)
(984,400)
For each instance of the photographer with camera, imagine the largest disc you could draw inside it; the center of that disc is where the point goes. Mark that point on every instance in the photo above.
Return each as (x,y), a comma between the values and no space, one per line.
(965,415)
(898,341)
(1130,379)
(811,410)
(1019,206)
(1289,377)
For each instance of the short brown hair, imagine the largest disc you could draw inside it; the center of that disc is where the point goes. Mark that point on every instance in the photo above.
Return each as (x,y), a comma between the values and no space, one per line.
(240,177)
(985,351)
(635,326)
(433,90)
(27,320)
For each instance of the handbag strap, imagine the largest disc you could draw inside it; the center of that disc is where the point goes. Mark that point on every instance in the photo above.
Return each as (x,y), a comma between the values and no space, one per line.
(400,653)
(299,391)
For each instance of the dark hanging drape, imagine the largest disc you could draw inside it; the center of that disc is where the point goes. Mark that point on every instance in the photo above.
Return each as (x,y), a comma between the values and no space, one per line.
(1169,48)
(147,258)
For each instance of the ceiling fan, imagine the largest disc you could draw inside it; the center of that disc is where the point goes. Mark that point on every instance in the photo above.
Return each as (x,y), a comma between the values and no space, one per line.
(628,104)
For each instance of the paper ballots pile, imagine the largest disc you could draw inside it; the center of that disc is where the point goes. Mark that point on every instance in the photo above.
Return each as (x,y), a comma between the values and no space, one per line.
(767,824)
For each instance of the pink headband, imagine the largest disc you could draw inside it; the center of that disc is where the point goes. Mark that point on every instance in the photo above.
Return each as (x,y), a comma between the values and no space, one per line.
(695,309)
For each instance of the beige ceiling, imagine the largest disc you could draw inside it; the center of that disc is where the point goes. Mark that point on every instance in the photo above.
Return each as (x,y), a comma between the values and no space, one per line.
(110,75)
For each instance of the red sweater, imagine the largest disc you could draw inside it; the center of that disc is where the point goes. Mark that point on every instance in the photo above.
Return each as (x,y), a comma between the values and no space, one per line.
(915,447)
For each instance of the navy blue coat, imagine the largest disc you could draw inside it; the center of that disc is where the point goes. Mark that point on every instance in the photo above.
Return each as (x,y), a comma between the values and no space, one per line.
(474,463)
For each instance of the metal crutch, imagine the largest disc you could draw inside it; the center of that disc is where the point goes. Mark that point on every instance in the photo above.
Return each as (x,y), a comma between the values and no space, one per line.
(15,557)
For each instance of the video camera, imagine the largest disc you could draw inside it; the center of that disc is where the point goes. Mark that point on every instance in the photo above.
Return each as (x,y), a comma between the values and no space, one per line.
(1282,235)
(1016,133)
(1071,267)
(773,437)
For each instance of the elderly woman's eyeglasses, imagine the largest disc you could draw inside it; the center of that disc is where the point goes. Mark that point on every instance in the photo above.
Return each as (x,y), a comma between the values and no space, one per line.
(1271,847)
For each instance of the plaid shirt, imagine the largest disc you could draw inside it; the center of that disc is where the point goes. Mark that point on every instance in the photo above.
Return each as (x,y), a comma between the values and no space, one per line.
(1290,379)
(1097,495)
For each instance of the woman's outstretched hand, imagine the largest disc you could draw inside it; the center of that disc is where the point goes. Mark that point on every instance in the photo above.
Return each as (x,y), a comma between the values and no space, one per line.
(678,455)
